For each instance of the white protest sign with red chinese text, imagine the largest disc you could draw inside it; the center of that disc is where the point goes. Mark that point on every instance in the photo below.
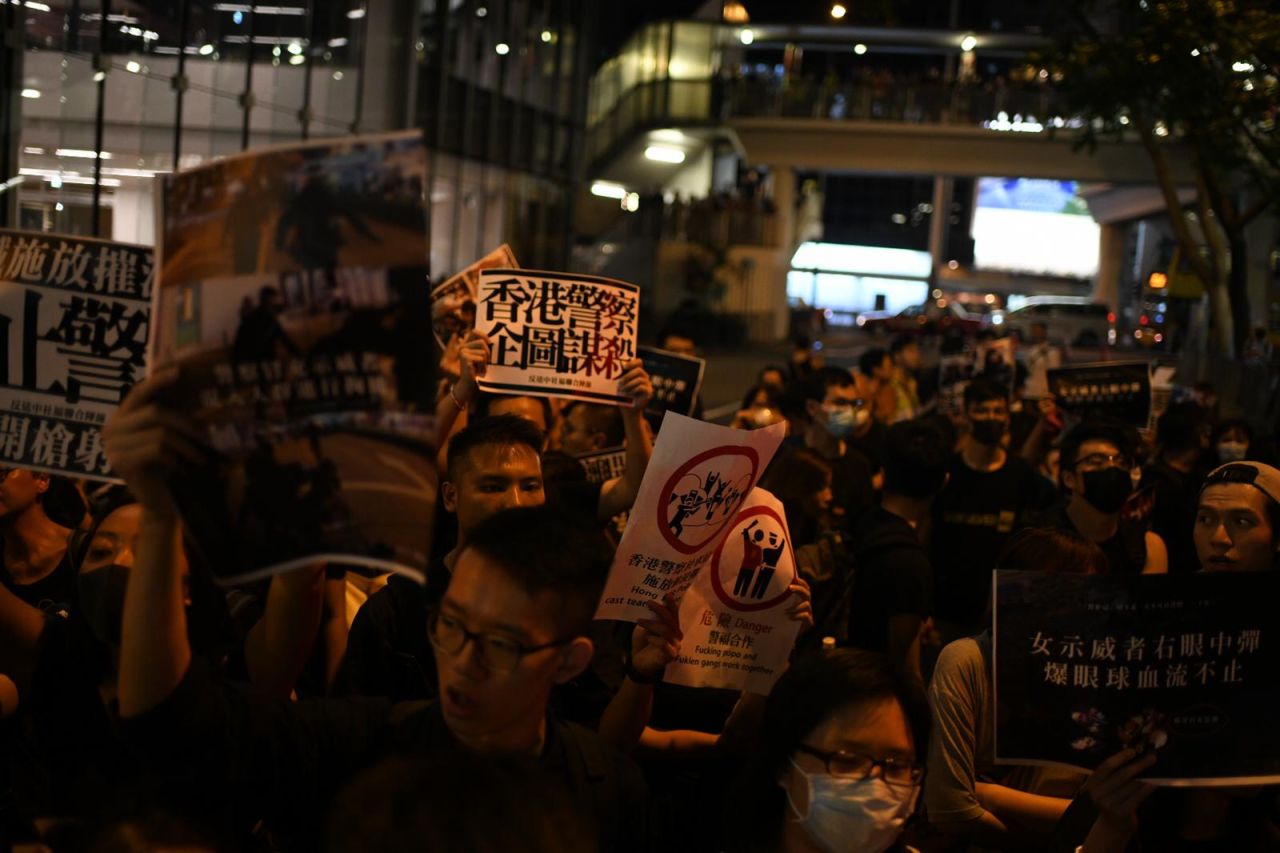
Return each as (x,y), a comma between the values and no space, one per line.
(74,320)
(737,633)
(698,479)
(556,334)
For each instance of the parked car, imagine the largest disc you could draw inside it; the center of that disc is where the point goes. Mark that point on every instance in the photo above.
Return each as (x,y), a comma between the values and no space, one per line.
(937,316)
(1072,320)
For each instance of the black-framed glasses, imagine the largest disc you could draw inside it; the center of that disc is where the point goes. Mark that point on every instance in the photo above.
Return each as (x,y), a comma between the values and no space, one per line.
(496,653)
(850,765)
(1103,460)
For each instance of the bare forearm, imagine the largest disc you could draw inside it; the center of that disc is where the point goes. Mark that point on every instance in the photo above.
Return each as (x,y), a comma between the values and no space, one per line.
(620,494)
(627,715)
(154,652)
(21,627)
(1029,813)
(278,646)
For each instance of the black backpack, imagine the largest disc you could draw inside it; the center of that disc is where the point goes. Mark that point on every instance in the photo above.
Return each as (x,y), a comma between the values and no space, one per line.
(829,566)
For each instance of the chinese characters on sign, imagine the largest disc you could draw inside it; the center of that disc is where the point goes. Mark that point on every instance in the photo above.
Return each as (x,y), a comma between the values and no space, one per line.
(677,379)
(697,480)
(74,319)
(1118,390)
(604,465)
(737,633)
(557,334)
(1185,665)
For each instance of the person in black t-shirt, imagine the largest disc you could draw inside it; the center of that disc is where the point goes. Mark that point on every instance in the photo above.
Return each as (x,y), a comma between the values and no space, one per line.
(1097,461)
(493,464)
(1182,434)
(990,495)
(837,413)
(36,568)
(512,623)
(893,580)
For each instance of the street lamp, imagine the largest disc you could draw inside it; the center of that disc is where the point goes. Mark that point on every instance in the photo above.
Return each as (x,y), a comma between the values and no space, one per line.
(968,43)
(838,11)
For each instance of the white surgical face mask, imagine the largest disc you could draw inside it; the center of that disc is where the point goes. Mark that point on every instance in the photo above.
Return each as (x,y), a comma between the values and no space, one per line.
(1232,451)
(854,815)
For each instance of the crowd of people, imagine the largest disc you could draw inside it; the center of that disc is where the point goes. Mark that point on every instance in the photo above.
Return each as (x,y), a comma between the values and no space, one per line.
(143,707)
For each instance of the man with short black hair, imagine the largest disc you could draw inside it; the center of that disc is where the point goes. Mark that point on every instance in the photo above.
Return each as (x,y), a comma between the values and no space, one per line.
(876,365)
(512,624)
(837,414)
(1182,435)
(991,494)
(892,588)
(1097,461)
(1237,525)
(493,464)
(589,428)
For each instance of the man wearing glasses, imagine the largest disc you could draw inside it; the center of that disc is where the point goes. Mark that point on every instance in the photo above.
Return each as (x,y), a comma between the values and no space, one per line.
(1097,459)
(512,624)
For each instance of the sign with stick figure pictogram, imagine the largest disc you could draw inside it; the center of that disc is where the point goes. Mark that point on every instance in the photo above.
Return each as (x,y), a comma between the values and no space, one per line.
(696,484)
(738,631)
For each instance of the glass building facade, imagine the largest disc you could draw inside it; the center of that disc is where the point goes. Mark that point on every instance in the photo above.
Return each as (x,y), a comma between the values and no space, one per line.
(102,97)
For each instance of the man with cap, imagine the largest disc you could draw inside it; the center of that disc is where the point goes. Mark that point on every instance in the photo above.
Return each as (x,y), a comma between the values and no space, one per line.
(1238,519)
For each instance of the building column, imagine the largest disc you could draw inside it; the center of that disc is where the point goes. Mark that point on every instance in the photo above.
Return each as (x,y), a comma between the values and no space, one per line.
(1112,239)
(11,46)
(1263,235)
(939,224)
(784,233)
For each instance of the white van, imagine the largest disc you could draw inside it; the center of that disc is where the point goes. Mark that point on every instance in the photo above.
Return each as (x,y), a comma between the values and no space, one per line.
(1071,320)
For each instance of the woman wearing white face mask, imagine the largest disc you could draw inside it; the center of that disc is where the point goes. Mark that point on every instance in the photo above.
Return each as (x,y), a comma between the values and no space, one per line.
(1231,441)
(838,764)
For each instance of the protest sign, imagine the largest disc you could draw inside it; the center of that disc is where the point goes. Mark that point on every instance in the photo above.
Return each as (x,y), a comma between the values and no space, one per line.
(1120,390)
(737,633)
(699,476)
(604,465)
(954,375)
(993,361)
(556,334)
(292,297)
(74,318)
(453,304)
(677,379)
(1187,665)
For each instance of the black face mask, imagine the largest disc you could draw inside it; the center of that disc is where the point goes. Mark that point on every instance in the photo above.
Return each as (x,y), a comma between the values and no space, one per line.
(989,431)
(102,601)
(1108,489)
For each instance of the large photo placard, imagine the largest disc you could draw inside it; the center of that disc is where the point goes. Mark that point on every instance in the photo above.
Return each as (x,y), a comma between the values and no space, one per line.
(292,298)
(1185,665)
(74,319)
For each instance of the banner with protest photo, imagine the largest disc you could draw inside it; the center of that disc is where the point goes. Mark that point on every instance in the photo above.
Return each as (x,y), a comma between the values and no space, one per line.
(677,381)
(557,334)
(737,633)
(698,478)
(1186,665)
(292,297)
(1119,390)
(453,305)
(74,319)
